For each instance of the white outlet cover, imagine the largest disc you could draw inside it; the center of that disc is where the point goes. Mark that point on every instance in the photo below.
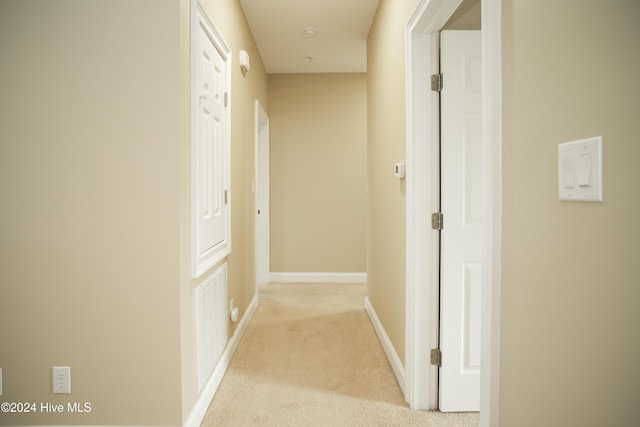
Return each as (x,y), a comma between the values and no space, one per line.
(580,170)
(62,379)
(0,381)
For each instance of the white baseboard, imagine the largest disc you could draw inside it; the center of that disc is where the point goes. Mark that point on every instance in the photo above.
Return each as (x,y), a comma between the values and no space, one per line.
(318,277)
(394,360)
(202,404)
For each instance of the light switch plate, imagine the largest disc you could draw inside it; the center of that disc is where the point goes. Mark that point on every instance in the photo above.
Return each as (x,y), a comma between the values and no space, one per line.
(580,170)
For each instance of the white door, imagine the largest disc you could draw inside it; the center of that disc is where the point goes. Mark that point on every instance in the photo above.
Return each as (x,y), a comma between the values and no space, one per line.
(262,196)
(211,128)
(461,205)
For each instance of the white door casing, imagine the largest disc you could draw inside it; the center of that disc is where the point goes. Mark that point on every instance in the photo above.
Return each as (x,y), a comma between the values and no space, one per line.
(210,163)
(262,195)
(423,198)
(462,207)
(423,26)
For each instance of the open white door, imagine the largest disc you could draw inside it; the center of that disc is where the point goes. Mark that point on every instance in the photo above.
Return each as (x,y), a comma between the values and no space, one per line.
(462,207)
(262,196)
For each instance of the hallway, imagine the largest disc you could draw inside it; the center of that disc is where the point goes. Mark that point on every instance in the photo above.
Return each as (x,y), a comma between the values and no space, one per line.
(310,356)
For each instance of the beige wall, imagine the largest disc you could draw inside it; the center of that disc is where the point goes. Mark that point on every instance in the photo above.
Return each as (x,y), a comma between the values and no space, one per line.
(466,17)
(570,289)
(229,18)
(570,318)
(94,172)
(386,146)
(95,189)
(318,137)
(89,230)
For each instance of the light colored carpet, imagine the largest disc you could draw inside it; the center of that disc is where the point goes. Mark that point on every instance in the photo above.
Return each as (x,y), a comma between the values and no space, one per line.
(310,357)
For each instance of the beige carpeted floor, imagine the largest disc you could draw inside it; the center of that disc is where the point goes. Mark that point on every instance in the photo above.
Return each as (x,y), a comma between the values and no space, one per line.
(310,357)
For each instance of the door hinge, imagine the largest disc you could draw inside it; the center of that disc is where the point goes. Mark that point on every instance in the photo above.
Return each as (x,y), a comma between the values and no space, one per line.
(226,198)
(437,221)
(226,99)
(436,82)
(436,357)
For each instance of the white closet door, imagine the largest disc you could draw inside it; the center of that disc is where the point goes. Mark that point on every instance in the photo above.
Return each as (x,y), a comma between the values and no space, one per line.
(461,191)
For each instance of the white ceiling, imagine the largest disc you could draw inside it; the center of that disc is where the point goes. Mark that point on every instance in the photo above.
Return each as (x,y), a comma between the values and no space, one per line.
(339,46)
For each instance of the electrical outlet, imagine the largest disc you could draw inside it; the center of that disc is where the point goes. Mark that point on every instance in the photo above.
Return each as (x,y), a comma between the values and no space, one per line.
(230,305)
(61,379)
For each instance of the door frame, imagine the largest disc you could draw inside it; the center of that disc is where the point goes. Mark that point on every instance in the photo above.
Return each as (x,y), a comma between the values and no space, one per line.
(422,44)
(262,270)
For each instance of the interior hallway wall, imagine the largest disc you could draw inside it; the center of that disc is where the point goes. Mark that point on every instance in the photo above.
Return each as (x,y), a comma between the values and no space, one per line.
(318,146)
(228,17)
(386,130)
(570,337)
(95,231)
(89,229)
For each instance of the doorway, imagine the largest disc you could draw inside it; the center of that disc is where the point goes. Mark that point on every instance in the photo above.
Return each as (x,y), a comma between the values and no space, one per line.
(262,240)
(423,30)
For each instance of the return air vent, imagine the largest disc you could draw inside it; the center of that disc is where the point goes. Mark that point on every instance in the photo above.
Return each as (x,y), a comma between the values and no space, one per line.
(211,322)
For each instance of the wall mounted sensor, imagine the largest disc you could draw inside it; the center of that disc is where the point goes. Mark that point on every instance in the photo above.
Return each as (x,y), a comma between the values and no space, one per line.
(398,170)
(244,61)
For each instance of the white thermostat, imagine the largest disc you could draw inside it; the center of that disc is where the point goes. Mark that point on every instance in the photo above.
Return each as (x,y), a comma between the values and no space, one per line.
(398,170)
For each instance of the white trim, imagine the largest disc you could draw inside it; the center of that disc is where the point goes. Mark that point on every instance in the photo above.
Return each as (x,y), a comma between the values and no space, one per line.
(421,296)
(200,263)
(421,299)
(492,247)
(206,396)
(394,360)
(423,161)
(430,16)
(318,277)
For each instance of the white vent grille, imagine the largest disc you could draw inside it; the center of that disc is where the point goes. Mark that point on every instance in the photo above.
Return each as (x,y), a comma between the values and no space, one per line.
(211,322)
